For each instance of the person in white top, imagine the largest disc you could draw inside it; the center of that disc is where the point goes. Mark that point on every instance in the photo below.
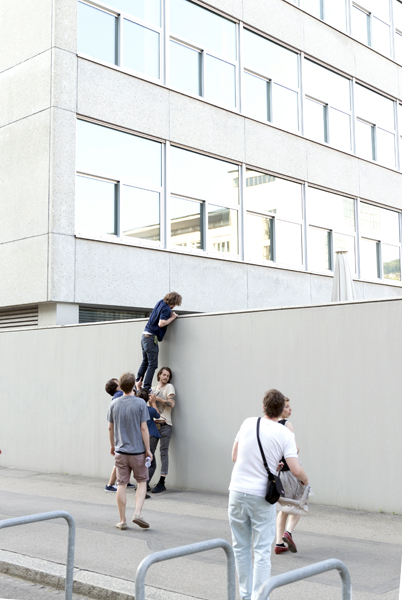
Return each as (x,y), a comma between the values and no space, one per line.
(164,395)
(251,518)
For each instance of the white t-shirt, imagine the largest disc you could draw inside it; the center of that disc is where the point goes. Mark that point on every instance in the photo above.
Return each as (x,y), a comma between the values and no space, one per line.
(249,475)
(164,411)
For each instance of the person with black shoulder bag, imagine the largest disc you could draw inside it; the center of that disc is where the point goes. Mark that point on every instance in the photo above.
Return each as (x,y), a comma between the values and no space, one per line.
(255,488)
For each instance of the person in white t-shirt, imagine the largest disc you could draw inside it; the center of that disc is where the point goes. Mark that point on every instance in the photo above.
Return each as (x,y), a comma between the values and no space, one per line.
(164,395)
(251,517)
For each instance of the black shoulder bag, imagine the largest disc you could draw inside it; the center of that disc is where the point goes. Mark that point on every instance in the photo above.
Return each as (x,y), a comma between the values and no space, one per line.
(274,488)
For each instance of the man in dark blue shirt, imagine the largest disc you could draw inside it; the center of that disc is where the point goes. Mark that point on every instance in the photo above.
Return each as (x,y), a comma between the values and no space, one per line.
(161,316)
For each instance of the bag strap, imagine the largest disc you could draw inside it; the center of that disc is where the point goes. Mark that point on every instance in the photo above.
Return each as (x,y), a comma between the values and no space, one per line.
(264,460)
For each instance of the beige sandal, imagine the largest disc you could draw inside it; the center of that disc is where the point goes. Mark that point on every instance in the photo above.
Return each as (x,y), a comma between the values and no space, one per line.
(121,525)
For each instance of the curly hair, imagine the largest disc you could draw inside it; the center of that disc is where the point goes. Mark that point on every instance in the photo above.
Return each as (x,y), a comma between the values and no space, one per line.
(273,403)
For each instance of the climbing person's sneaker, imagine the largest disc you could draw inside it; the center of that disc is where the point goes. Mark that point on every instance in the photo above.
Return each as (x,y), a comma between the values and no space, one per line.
(160,487)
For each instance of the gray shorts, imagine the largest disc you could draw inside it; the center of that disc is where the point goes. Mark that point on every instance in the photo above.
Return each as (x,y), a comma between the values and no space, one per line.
(125,463)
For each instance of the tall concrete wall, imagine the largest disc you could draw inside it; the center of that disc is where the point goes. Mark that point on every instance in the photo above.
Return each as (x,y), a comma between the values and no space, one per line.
(339,364)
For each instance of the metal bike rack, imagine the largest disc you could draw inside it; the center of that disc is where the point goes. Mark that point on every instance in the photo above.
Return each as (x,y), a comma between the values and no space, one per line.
(57,514)
(185,551)
(309,571)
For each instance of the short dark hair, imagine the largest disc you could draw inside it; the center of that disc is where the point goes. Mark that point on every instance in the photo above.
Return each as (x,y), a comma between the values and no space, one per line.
(173,299)
(143,393)
(111,386)
(165,369)
(127,382)
(273,403)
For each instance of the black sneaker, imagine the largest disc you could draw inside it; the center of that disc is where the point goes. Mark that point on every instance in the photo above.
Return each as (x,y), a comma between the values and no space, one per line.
(110,488)
(131,485)
(160,487)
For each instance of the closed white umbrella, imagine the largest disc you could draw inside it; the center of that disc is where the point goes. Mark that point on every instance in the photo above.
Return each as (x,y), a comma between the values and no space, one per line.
(342,289)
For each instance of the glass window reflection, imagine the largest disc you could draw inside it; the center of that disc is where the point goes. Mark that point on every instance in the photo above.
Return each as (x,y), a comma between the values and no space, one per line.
(331,211)
(315,120)
(266,193)
(222,230)
(146,10)
(97,33)
(269,59)
(360,25)
(391,262)
(374,108)
(186,223)
(112,153)
(255,97)
(288,243)
(319,249)
(95,206)
(346,242)
(398,47)
(139,213)
(386,148)
(369,259)
(258,238)
(203,28)
(285,108)
(379,223)
(185,68)
(335,13)
(141,49)
(325,85)
(380,34)
(198,176)
(220,81)
(339,130)
(364,133)
(312,6)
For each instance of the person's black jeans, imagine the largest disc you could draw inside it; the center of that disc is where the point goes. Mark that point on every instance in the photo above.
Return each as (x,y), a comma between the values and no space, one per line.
(153,443)
(149,364)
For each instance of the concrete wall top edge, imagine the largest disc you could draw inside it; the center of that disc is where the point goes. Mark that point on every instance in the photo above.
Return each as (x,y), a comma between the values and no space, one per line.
(214,314)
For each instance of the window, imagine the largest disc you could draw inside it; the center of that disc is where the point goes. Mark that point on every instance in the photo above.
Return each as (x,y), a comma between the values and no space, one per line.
(273,226)
(327,106)
(203,52)
(119,183)
(137,49)
(370,24)
(380,243)
(205,202)
(270,82)
(398,30)
(331,228)
(332,12)
(375,126)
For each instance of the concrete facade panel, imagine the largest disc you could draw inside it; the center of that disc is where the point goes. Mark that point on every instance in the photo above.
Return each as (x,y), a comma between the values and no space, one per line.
(376,70)
(101,268)
(65,25)
(25,30)
(320,289)
(210,285)
(276,287)
(25,89)
(276,18)
(332,169)
(276,150)
(62,171)
(62,268)
(24,267)
(379,184)
(373,291)
(24,178)
(233,8)
(64,83)
(202,126)
(139,105)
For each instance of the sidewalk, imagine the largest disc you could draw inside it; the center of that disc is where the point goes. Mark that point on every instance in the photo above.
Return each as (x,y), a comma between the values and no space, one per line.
(106,559)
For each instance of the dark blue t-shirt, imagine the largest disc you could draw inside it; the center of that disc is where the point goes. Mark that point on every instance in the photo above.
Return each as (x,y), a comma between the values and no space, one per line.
(160,311)
(117,395)
(152,428)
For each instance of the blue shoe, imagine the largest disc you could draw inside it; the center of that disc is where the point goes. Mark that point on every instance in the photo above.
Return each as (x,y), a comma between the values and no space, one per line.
(110,488)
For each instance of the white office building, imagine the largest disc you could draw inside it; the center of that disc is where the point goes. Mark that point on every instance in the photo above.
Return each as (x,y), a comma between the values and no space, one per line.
(223,149)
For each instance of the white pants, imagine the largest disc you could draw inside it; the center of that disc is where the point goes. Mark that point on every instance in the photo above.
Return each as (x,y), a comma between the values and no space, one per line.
(252,521)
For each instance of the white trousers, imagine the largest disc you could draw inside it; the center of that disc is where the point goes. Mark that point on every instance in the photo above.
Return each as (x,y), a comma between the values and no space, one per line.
(252,521)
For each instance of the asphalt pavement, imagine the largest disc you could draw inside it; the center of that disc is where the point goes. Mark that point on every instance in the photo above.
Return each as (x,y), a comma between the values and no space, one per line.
(106,558)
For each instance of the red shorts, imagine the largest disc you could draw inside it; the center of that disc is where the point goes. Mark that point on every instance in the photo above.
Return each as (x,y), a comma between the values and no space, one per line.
(125,463)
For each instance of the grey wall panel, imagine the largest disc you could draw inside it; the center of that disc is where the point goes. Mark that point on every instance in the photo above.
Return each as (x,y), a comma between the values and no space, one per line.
(379,184)
(337,370)
(119,275)
(24,184)
(62,268)
(62,172)
(276,18)
(372,291)
(65,24)
(139,105)
(25,30)
(375,69)
(200,125)
(273,149)
(276,287)
(64,73)
(25,89)
(332,169)
(208,284)
(24,269)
